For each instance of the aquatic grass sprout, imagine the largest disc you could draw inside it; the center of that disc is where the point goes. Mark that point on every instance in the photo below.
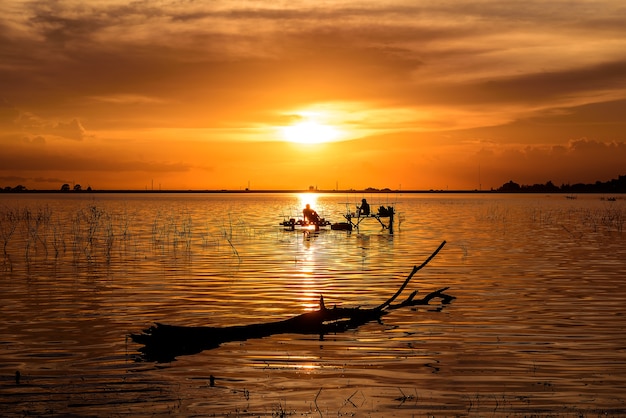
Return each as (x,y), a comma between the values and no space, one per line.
(608,219)
(95,234)
(9,220)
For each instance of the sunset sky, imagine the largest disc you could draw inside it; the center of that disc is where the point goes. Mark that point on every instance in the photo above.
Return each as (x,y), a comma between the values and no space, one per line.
(291,94)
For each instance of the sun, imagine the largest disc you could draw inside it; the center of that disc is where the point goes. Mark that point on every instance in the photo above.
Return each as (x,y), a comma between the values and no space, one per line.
(310,132)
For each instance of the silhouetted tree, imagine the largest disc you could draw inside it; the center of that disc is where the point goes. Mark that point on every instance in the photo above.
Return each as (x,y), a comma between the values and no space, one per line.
(511,186)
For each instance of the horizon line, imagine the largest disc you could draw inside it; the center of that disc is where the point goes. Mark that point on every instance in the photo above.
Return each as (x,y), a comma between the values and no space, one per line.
(330,191)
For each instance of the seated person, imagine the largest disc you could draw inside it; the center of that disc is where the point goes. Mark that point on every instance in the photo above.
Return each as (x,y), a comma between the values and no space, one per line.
(310,215)
(364,209)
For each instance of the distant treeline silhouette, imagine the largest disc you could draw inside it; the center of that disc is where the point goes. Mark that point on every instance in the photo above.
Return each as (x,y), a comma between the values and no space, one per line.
(64,188)
(617,185)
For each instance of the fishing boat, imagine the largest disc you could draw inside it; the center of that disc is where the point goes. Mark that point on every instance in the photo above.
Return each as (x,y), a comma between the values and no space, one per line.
(384,216)
(353,220)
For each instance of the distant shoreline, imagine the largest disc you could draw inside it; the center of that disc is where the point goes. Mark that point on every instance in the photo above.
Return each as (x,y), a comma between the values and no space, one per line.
(615,186)
(226,191)
(267,191)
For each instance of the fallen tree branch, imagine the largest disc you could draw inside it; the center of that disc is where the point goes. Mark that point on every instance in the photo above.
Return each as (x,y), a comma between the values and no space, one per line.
(408,279)
(164,343)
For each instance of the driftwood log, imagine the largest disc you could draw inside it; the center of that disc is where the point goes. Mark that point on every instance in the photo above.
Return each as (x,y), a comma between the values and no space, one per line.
(163,343)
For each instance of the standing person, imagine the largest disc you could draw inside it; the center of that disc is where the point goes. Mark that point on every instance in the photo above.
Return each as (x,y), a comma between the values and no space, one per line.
(364,209)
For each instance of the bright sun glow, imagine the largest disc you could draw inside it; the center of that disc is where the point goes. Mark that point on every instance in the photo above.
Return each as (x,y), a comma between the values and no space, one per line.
(310,132)
(308,199)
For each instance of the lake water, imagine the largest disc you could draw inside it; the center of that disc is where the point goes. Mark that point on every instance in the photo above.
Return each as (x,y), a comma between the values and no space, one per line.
(537,327)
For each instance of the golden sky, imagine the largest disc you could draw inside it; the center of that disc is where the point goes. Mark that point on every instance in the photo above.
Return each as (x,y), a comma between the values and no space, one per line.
(290,94)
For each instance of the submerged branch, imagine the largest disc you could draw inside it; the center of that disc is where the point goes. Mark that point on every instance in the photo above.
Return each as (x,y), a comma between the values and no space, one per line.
(164,343)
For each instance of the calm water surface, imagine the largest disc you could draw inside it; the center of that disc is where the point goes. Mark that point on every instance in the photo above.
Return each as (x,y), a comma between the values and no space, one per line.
(537,326)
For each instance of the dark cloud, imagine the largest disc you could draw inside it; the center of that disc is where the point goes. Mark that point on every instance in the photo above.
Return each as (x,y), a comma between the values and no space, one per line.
(602,121)
(537,88)
(34,160)
(9,117)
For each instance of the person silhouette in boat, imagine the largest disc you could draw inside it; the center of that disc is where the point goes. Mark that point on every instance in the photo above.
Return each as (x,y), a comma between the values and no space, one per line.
(364,209)
(310,215)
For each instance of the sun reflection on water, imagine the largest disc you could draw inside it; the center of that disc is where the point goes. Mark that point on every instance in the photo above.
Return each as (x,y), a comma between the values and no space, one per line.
(309,290)
(309,295)
(287,361)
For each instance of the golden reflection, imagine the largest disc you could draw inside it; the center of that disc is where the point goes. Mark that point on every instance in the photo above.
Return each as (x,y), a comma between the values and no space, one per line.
(302,363)
(309,296)
(308,287)
(309,290)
